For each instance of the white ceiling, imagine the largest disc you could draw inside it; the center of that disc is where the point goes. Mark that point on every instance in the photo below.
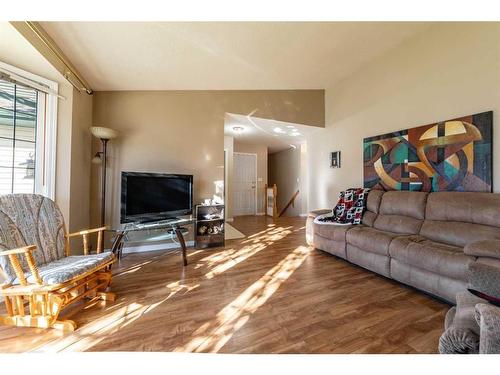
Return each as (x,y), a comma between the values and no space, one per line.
(224,55)
(276,135)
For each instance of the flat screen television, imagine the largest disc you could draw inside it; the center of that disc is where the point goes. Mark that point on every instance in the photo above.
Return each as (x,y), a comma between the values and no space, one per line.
(155,196)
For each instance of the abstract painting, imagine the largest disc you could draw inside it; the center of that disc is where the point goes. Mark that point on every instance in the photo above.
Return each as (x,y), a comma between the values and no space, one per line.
(453,155)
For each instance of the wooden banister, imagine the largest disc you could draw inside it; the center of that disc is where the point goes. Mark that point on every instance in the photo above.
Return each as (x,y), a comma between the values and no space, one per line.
(291,202)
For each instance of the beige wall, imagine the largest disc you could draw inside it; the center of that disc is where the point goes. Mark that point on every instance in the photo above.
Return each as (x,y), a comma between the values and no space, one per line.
(183,132)
(261,152)
(73,112)
(285,172)
(450,71)
(81,156)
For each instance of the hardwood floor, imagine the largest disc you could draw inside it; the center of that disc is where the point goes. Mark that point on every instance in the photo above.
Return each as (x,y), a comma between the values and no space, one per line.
(267,293)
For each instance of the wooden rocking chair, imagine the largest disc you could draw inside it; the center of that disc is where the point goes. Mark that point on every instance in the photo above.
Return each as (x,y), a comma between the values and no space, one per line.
(42,277)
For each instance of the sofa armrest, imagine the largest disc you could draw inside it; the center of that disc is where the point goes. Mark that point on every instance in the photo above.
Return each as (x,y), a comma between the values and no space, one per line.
(456,340)
(485,248)
(488,318)
(315,213)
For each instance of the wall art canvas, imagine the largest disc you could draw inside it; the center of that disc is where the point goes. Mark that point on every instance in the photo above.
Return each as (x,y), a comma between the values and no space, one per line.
(453,155)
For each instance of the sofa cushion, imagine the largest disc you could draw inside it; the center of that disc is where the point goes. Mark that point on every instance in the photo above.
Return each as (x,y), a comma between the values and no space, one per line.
(67,268)
(405,203)
(369,218)
(401,212)
(432,256)
(459,218)
(458,233)
(370,239)
(373,200)
(477,208)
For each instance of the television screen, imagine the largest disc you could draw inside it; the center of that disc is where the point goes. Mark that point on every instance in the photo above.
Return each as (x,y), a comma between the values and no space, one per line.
(155,196)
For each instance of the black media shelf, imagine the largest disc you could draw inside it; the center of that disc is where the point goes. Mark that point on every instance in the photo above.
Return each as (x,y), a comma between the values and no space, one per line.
(209,226)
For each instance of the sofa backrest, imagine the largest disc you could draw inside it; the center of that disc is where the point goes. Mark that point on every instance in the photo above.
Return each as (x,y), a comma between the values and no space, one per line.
(458,218)
(30,219)
(372,207)
(401,212)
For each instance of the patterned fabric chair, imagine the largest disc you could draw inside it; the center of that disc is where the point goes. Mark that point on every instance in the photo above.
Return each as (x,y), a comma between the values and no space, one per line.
(473,325)
(41,275)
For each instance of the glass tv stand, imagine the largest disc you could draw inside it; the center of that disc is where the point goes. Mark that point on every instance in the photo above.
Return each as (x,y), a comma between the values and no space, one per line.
(172,228)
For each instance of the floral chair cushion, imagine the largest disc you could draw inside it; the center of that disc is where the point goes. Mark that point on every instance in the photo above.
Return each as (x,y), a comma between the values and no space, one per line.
(67,268)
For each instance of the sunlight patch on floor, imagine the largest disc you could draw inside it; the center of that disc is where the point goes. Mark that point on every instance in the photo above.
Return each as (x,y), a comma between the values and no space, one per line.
(212,336)
(209,336)
(227,259)
(94,332)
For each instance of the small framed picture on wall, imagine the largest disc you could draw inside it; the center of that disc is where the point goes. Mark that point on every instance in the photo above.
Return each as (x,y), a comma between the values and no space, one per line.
(335,159)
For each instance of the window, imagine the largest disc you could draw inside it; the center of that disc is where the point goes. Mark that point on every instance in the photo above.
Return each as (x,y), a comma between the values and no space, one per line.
(27,137)
(18,123)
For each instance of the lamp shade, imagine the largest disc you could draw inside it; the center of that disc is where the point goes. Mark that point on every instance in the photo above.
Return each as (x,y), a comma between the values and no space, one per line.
(96,160)
(103,133)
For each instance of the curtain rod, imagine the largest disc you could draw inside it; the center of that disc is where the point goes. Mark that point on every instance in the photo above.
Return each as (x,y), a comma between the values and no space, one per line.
(69,72)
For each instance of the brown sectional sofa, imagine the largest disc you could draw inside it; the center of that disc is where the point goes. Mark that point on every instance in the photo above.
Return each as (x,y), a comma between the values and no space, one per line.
(425,240)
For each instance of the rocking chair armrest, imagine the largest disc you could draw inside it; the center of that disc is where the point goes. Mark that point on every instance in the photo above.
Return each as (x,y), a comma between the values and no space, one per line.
(16,265)
(85,237)
(20,250)
(87,231)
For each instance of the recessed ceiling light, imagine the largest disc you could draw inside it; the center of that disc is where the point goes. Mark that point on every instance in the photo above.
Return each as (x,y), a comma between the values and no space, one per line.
(278,130)
(238,129)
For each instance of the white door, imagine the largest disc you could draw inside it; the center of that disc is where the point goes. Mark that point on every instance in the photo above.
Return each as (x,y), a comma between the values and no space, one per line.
(244,184)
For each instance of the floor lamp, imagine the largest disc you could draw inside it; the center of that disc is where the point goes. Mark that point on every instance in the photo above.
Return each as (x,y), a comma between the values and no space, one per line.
(104,134)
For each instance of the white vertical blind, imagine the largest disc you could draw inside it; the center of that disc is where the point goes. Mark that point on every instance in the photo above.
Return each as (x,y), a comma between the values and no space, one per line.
(18,125)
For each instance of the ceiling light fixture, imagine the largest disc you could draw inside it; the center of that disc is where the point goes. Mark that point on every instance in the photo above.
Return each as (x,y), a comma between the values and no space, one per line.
(238,129)
(278,130)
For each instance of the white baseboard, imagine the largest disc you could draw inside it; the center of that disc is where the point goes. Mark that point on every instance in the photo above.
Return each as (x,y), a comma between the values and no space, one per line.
(229,219)
(303,215)
(153,247)
(260,214)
